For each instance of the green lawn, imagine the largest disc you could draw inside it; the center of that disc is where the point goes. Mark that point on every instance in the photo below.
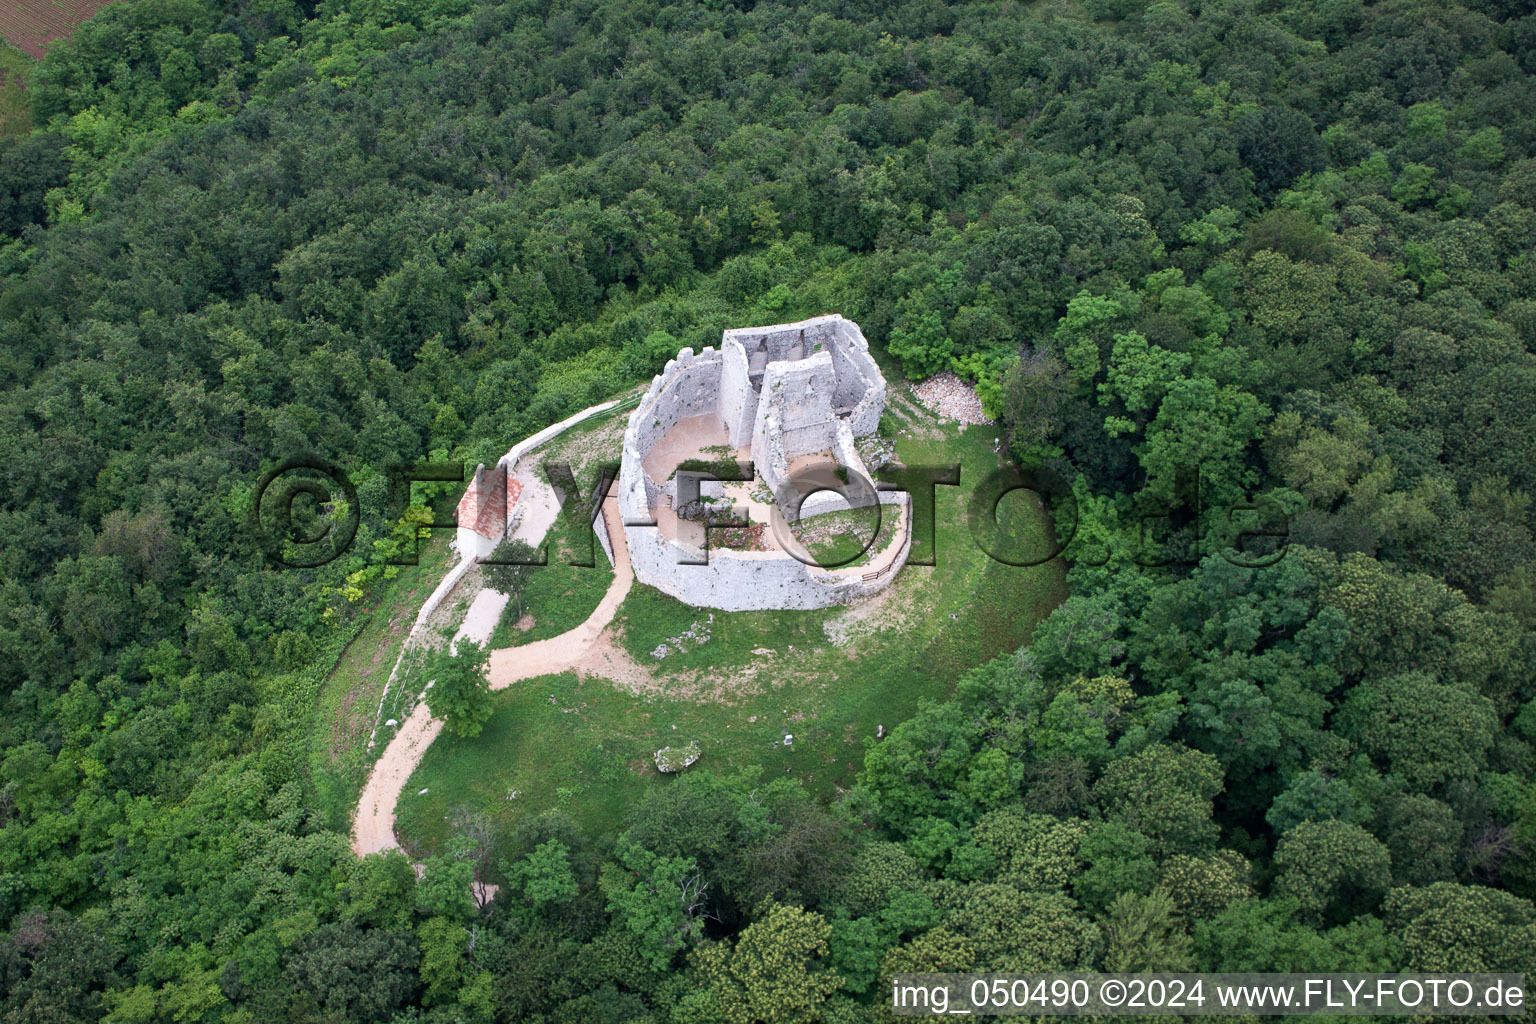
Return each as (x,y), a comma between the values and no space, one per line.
(844,539)
(590,443)
(558,596)
(586,746)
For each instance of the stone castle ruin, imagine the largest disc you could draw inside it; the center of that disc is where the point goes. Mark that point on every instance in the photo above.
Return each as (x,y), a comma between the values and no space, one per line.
(791,399)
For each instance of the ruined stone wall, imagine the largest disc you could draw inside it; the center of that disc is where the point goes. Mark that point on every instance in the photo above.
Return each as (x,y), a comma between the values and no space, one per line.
(688,386)
(755,580)
(797,340)
(860,383)
(738,398)
(809,371)
(844,454)
(795,407)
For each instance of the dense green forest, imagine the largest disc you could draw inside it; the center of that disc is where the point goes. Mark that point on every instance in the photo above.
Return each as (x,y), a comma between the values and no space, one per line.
(1288,242)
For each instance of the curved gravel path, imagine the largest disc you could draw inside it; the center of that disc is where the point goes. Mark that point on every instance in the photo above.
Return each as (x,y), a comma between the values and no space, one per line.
(373,828)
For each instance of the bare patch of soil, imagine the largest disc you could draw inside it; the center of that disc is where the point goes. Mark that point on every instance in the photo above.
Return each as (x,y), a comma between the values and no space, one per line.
(890,608)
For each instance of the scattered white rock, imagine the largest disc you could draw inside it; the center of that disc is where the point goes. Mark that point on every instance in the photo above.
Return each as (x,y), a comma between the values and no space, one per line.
(421,792)
(391,723)
(951,398)
(675,759)
(695,634)
(875,450)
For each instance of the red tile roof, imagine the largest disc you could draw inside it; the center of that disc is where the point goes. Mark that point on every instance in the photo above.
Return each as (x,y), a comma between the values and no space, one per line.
(484,505)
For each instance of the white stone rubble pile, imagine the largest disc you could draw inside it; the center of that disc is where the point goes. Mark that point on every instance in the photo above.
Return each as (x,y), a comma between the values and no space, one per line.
(951,398)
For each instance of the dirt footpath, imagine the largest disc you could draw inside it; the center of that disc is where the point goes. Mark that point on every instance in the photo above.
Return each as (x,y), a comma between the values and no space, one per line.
(481,618)
(576,649)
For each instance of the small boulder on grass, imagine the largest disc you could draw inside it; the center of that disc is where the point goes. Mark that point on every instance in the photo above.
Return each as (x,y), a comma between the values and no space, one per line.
(675,759)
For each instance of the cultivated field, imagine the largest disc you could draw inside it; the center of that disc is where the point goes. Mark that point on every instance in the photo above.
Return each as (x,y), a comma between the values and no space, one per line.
(31,25)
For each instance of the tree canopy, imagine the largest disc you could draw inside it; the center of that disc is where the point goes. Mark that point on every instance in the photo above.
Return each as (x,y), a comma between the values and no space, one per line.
(1221,266)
